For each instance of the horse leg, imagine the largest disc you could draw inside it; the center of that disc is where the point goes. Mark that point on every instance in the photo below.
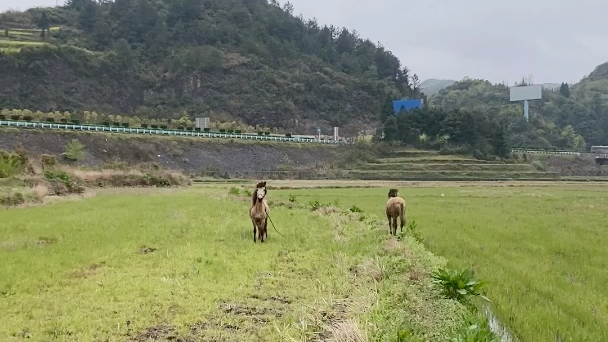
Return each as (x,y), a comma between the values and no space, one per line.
(254,229)
(266,228)
(394,226)
(402,217)
(390,227)
(263,232)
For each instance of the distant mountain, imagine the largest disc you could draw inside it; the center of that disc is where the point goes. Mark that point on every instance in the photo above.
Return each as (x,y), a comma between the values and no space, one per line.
(432,86)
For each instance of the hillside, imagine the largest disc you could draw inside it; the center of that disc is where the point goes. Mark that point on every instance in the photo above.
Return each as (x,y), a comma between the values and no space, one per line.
(233,60)
(571,117)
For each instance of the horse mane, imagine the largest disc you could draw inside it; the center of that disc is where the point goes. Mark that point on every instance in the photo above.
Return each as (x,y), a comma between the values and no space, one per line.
(393,193)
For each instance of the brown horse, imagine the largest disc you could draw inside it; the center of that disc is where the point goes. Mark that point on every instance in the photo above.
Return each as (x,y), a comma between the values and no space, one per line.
(259,212)
(395,208)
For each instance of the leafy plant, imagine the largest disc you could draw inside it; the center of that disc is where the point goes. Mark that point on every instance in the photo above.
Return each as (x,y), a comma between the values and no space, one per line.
(356,209)
(248,192)
(315,204)
(458,285)
(74,151)
(408,335)
(475,329)
(411,230)
(234,191)
(292,198)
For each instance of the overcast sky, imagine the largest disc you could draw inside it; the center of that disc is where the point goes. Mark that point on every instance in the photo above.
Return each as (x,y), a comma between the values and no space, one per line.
(554,40)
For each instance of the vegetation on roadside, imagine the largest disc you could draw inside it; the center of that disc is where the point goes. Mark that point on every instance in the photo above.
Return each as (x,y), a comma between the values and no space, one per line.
(27,179)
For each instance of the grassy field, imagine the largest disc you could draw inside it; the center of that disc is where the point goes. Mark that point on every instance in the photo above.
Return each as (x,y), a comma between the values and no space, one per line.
(542,248)
(139,265)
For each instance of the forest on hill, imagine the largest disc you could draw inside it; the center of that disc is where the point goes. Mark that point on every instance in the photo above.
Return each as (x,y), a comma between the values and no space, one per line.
(250,61)
(253,62)
(476,116)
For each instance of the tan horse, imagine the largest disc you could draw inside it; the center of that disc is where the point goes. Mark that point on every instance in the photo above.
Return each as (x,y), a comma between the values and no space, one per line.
(259,212)
(395,208)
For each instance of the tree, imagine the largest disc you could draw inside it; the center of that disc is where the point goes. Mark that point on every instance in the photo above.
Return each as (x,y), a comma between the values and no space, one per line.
(43,24)
(500,144)
(387,108)
(391,130)
(88,16)
(564,89)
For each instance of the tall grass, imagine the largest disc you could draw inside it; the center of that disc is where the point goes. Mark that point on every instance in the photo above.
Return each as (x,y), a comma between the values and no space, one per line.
(541,249)
(181,265)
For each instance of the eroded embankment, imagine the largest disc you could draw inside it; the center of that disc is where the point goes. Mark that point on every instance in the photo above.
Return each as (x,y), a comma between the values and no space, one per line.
(176,153)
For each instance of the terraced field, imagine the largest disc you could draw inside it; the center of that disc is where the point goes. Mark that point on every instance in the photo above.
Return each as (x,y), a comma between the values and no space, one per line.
(430,165)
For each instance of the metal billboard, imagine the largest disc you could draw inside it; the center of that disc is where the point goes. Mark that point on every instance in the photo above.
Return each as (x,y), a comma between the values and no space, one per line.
(532,92)
(407,105)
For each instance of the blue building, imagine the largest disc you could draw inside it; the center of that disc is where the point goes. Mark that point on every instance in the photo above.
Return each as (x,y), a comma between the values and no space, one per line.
(407,105)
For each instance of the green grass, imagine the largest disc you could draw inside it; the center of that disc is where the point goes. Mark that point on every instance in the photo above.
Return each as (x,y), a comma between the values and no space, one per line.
(183,262)
(19,43)
(447,167)
(430,158)
(542,249)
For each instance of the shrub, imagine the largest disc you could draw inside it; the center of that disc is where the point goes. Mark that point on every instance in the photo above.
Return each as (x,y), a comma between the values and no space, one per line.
(458,285)
(315,204)
(48,160)
(538,165)
(12,163)
(62,183)
(248,192)
(74,151)
(234,191)
(411,230)
(292,198)
(475,329)
(356,209)
(13,198)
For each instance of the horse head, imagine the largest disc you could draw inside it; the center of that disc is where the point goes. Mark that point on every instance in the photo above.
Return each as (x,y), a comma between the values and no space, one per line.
(392,193)
(260,193)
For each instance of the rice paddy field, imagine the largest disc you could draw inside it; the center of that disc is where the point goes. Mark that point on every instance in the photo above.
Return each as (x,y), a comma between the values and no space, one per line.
(181,265)
(541,246)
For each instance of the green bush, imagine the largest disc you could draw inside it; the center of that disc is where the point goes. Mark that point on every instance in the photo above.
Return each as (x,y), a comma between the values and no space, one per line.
(234,191)
(356,209)
(458,285)
(62,183)
(475,329)
(292,198)
(12,163)
(315,204)
(74,151)
(13,198)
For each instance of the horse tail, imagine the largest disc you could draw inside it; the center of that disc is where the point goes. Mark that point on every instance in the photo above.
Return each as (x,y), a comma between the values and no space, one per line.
(402,213)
